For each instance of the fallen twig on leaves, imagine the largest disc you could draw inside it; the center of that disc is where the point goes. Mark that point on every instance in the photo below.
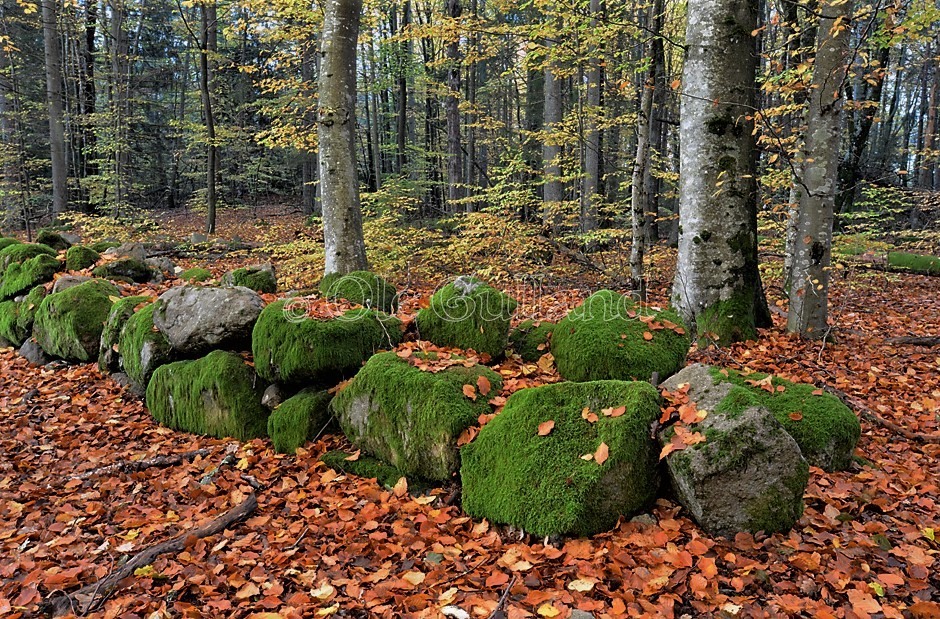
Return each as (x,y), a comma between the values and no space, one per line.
(91,597)
(229,460)
(131,466)
(915,340)
(500,611)
(869,414)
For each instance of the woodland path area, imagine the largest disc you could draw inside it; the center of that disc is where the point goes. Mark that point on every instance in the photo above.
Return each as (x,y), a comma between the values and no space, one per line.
(324,544)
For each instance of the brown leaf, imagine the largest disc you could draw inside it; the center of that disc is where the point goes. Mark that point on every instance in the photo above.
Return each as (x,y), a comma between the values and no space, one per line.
(602,453)
(546,427)
(483,384)
(470,392)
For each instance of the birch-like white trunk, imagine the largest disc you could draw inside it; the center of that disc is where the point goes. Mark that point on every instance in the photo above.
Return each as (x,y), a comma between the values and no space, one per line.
(336,118)
(717,288)
(816,186)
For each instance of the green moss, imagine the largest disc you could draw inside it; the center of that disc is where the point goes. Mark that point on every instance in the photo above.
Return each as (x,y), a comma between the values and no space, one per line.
(125,268)
(728,321)
(69,323)
(218,395)
(603,339)
(298,419)
(372,468)
(412,418)
(79,257)
(196,274)
(825,429)
(53,240)
(16,317)
(362,287)
(254,278)
(19,277)
(7,241)
(542,484)
(468,314)
(103,246)
(121,311)
(531,340)
(776,511)
(21,252)
(914,262)
(305,351)
(142,347)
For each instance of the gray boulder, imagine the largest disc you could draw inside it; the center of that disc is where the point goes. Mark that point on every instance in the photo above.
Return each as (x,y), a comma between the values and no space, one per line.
(128,250)
(33,352)
(68,281)
(748,475)
(195,319)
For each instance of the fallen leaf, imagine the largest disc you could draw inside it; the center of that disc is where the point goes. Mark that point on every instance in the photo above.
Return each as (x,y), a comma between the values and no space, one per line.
(546,427)
(602,453)
(470,392)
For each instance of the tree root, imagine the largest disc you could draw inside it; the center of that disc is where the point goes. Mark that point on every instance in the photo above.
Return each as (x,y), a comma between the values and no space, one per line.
(91,597)
(132,466)
(870,415)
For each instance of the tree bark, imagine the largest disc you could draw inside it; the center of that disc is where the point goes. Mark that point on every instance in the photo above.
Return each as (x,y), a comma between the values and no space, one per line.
(590,187)
(336,118)
(928,161)
(119,87)
(308,74)
(717,286)
(55,105)
(816,189)
(207,46)
(639,197)
(553,190)
(452,115)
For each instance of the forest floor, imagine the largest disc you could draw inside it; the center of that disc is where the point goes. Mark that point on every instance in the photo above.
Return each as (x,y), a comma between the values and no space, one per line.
(322,544)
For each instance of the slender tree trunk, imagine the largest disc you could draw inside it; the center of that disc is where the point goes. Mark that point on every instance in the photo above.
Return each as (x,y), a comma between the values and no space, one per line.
(308,74)
(89,91)
(8,203)
(119,50)
(717,287)
(590,188)
(336,117)
(404,62)
(929,158)
(54,101)
(553,190)
(639,197)
(452,115)
(809,276)
(657,110)
(207,46)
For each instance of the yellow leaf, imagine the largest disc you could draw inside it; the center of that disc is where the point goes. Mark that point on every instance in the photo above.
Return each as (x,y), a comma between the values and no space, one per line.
(581,585)
(324,592)
(146,571)
(929,534)
(330,610)
(242,464)
(415,578)
(548,610)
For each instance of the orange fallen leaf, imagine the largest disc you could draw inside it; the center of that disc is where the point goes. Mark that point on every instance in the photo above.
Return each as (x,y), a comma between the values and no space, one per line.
(546,427)
(354,456)
(796,416)
(602,453)
(470,392)
(647,336)
(483,384)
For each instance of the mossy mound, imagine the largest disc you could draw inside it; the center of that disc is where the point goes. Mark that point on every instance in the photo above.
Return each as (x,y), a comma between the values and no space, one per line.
(825,429)
(218,395)
(362,287)
(79,257)
(121,311)
(103,246)
(196,274)
(142,347)
(548,485)
(7,241)
(468,314)
(125,269)
(411,418)
(372,468)
(16,317)
(298,419)
(914,262)
(69,323)
(303,351)
(609,337)
(18,277)
(531,339)
(21,252)
(53,240)
(259,278)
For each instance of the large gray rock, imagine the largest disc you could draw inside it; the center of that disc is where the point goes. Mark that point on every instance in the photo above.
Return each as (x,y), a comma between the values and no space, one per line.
(68,281)
(128,250)
(748,475)
(195,319)
(33,352)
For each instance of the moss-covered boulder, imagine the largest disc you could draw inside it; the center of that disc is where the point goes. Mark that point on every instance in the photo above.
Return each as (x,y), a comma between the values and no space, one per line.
(129,269)
(16,317)
(411,418)
(748,474)
(548,466)
(217,395)
(915,262)
(609,337)
(103,246)
(362,287)
(258,277)
(69,323)
(7,241)
(21,252)
(531,339)
(142,347)
(18,277)
(293,349)
(79,257)
(298,419)
(53,239)
(196,274)
(468,314)
(109,359)
(825,429)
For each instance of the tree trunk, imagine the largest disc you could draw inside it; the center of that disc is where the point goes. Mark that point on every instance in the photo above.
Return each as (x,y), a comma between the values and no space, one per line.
(816,190)
(336,118)
(592,138)
(89,152)
(308,73)
(404,61)
(9,179)
(54,101)
(657,110)
(452,115)
(717,287)
(119,87)
(639,197)
(209,26)
(553,190)
(928,160)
